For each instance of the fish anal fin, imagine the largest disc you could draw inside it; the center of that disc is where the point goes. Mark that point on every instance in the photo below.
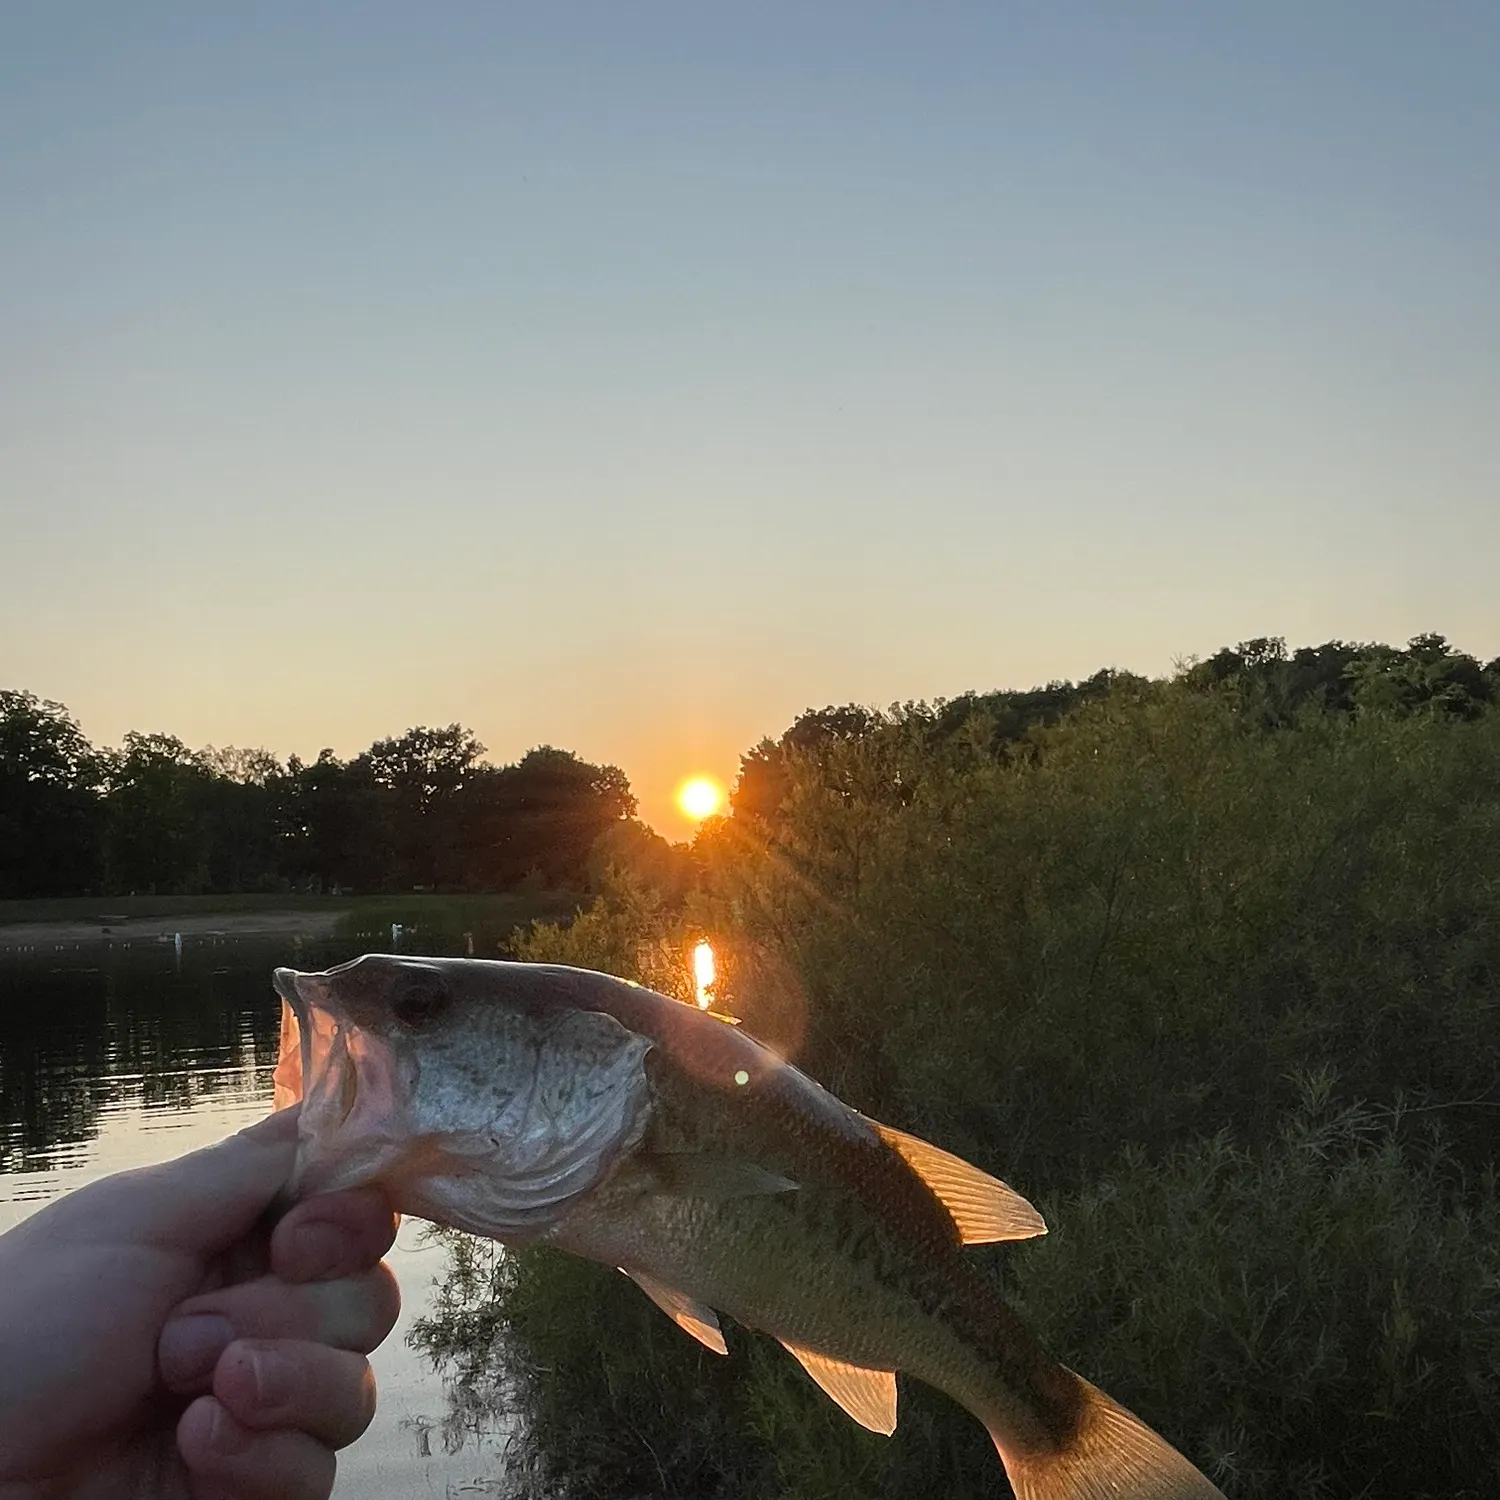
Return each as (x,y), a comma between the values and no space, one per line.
(982,1207)
(690,1316)
(1111,1453)
(869,1396)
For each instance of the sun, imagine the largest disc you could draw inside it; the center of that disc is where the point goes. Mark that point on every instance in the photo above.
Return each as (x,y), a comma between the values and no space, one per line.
(700,797)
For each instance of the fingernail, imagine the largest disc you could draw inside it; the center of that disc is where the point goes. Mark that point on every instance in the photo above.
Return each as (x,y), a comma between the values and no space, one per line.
(190,1347)
(272,1375)
(225,1435)
(318,1251)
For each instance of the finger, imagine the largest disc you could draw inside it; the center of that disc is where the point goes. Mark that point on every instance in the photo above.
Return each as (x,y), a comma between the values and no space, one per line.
(355,1312)
(327,1393)
(228,1461)
(336,1234)
(198,1204)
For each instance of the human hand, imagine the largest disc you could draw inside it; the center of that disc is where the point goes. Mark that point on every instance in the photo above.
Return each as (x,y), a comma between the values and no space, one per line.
(156,1341)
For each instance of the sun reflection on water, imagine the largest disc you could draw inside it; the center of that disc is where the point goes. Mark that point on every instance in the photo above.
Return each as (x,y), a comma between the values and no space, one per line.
(703,975)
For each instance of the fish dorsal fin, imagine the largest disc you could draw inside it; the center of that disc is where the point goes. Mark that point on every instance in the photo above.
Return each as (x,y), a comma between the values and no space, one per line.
(869,1396)
(983,1207)
(692,1317)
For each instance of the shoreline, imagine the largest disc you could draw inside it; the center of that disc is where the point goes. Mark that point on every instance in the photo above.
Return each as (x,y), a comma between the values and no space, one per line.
(284,922)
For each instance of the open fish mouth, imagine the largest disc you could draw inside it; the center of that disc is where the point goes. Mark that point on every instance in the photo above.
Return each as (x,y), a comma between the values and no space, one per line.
(289,1062)
(351,1128)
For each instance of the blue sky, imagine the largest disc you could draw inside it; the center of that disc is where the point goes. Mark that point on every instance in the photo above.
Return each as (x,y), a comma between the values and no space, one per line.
(630,377)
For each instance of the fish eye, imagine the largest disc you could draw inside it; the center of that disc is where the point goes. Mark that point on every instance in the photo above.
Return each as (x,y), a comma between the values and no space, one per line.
(421,995)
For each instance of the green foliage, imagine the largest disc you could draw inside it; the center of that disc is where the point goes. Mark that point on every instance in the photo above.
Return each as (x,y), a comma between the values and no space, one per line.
(629,930)
(1100,960)
(520,1336)
(1428,676)
(1139,928)
(630,848)
(1318,1317)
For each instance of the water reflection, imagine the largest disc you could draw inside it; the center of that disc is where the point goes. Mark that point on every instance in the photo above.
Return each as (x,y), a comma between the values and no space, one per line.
(125,1027)
(113,1057)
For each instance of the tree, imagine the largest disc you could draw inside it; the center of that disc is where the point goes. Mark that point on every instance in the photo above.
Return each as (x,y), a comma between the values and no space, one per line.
(335,828)
(764,774)
(50,813)
(239,808)
(428,763)
(156,837)
(546,813)
(243,767)
(627,846)
(1428,677)
(424,774)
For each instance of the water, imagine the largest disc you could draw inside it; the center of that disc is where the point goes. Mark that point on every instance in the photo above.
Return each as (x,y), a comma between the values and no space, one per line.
(115,1057)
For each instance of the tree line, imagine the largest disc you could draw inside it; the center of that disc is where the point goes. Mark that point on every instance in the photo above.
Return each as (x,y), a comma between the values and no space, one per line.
(1338,677)
(422,810)
(425,810)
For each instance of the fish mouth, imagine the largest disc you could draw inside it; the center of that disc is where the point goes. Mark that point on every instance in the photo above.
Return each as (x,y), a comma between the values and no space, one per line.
(291,1066)
(344,1079)
(299,1058)
(285,982)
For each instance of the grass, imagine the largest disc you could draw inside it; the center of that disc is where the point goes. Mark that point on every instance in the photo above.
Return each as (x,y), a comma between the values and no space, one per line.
(445,923)
(441,923)
(99,908)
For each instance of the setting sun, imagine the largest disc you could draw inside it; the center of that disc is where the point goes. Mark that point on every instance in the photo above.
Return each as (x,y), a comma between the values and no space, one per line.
(701,797)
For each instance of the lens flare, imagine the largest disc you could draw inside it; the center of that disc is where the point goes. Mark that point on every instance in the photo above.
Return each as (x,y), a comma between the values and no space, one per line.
(700,797)
(703,975)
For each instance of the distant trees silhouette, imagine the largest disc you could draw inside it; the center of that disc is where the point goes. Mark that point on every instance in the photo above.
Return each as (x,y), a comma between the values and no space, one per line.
(424,809)
(419,810)
(51,814)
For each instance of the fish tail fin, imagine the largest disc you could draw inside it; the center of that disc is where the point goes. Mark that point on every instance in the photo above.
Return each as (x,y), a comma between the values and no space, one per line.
(1110,1455)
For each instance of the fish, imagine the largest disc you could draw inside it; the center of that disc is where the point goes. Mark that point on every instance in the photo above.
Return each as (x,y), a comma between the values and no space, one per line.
(537,1104)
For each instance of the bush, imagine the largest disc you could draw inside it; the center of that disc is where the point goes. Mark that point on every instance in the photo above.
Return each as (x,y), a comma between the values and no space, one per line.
(1318,1317)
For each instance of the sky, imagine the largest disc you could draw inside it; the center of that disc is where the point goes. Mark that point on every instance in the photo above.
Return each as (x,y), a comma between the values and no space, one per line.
(631,377)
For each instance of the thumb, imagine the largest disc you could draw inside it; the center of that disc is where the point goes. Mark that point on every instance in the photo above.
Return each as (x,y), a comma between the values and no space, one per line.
(198,1204)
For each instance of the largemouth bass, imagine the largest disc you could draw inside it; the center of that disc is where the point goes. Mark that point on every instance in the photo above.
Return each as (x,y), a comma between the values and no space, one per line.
(537,1104)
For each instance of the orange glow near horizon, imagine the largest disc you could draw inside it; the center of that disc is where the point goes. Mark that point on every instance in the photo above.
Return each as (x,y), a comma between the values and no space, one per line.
(700,797)
(703,975)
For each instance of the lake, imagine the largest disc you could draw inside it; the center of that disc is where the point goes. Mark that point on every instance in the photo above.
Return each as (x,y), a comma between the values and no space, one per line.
(115,1056)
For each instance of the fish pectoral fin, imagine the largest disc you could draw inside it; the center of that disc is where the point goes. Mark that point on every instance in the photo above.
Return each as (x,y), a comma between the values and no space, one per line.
(690,1316)
(982,1207)
(869,1396)
(696,1174)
